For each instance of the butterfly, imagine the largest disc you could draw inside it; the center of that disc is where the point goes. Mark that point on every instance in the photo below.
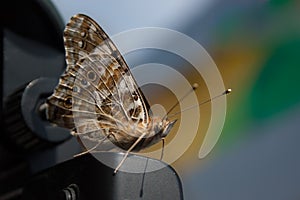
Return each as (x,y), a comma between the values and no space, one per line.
(97,97)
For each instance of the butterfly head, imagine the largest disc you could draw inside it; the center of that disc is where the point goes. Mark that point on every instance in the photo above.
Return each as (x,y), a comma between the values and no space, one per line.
(163,127)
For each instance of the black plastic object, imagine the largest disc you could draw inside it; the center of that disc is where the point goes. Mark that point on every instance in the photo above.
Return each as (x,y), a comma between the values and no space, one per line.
(86,178)
(24,119)
(33,48)
(31,45)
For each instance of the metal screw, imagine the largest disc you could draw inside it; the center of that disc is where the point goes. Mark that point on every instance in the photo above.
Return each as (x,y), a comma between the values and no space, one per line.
(71,192)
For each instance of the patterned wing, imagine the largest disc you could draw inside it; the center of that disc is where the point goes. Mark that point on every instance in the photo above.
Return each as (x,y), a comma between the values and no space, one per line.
(97,90)
(105,100)
(82,36)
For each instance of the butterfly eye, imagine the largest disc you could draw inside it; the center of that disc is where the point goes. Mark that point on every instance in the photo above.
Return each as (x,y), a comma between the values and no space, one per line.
(68,102)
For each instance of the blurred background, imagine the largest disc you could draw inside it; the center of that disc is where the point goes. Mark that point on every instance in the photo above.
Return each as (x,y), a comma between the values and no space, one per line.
(256,47)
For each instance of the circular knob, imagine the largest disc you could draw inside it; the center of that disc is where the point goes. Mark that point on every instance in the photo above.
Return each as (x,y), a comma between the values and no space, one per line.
(25,123)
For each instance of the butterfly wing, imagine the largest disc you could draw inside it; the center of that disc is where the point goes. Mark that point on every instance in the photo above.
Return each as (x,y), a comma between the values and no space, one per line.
(97,92)
(104,97)
(82,36)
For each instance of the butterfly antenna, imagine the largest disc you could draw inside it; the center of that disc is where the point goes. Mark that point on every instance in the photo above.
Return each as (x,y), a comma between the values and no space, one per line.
(195,86)
(228,91)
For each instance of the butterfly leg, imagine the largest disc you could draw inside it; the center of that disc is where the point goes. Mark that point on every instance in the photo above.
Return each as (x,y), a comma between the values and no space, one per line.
(89,150)
(163,148)
(128,151)
(93,148)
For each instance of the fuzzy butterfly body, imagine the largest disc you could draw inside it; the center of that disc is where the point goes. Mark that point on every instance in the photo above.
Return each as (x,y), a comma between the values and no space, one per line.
(97,96)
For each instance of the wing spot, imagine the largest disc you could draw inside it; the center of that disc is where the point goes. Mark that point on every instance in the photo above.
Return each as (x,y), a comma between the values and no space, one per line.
(115,54)
(75,89)
(91,75)
(83,82)
(135,96)
(134,119)
(137,112)
(134,113)
(131,111)
(68,102)
(83,34)
(81,44)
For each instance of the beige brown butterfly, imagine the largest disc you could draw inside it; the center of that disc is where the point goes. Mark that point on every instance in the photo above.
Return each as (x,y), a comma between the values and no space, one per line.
(97,96)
